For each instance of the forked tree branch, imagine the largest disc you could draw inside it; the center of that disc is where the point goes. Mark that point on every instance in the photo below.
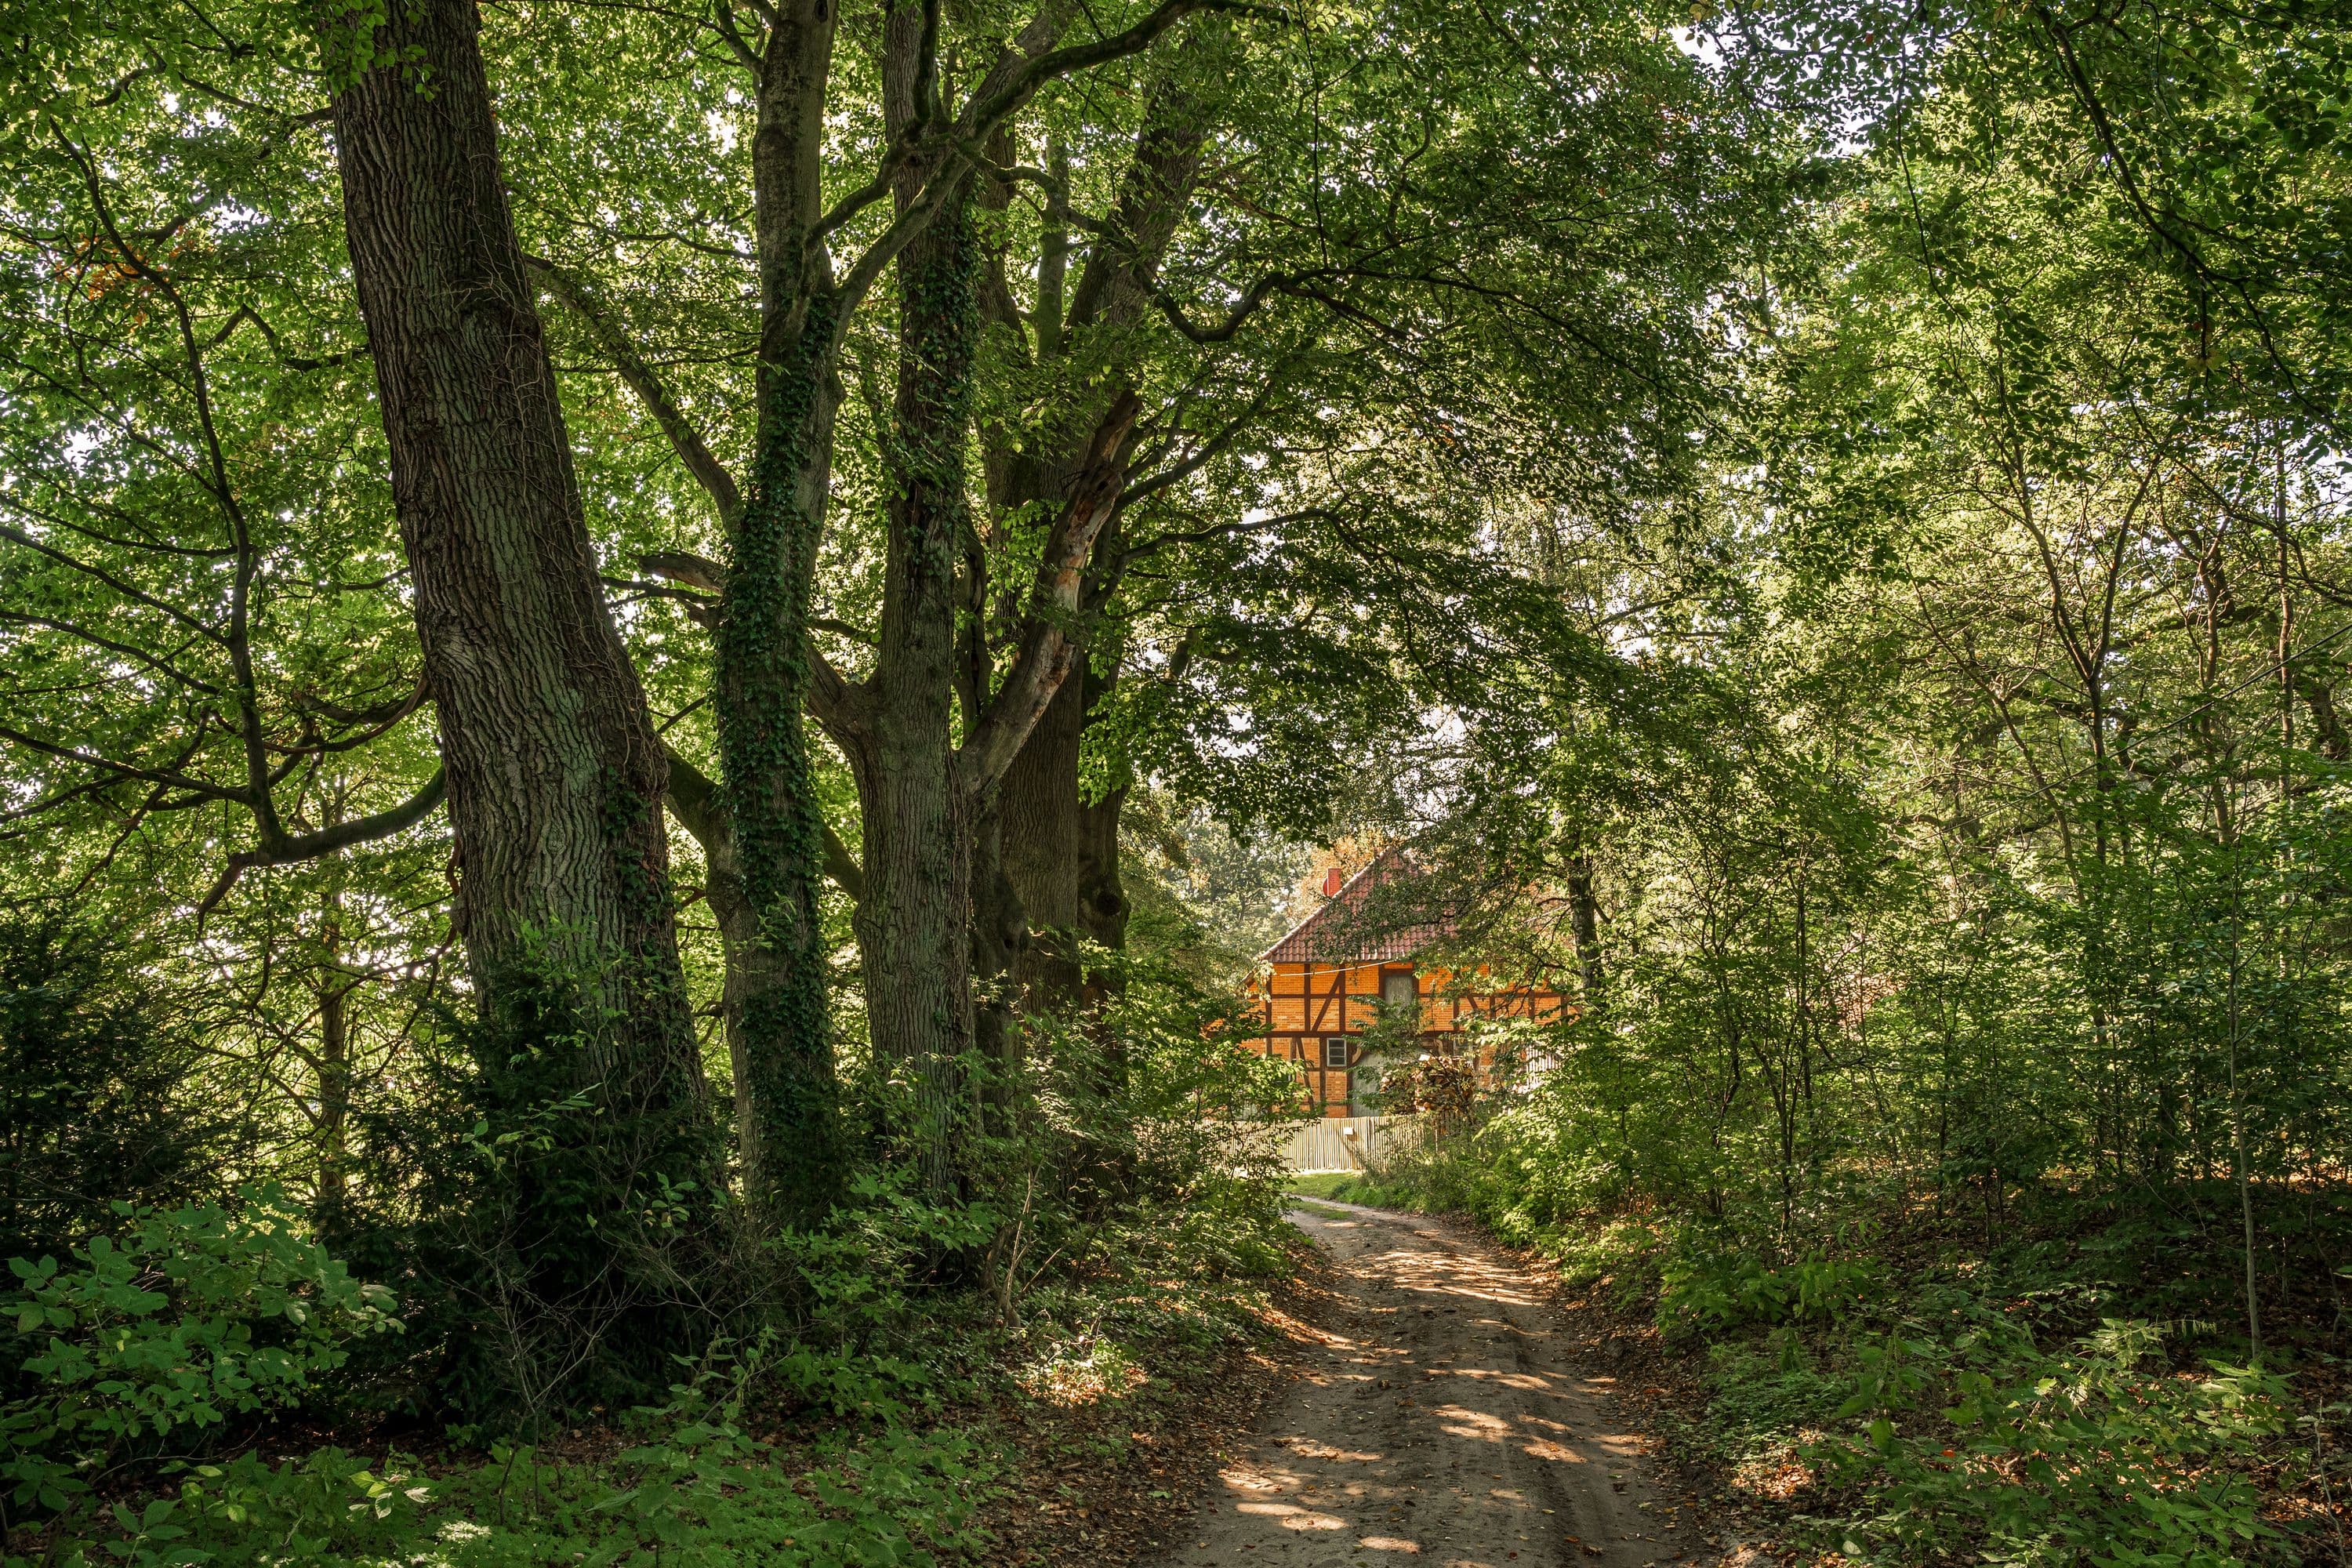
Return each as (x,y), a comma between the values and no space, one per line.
(286,849)
(1008,88)
(1049,648)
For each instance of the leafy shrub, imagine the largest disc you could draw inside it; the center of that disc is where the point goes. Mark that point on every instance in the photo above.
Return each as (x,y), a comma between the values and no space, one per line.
(703,1495)
(2092,1457)
(1718,1290)
(194,1315)
(700,1491)
(297,1512)
(861,1273)
(1627,1251)
(1758,1394)
(91,1108)
(560,1236)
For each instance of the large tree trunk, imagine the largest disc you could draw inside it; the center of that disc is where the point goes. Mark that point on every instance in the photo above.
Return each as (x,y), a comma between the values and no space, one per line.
(788,1098)
(754,971)
(1040,810)
(1060,854)
(555,776)
(913,925)
(919,804)
(1000,946)
(1102,894)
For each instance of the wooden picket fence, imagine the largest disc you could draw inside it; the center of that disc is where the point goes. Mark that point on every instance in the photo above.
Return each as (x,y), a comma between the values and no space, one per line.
(1350,1142)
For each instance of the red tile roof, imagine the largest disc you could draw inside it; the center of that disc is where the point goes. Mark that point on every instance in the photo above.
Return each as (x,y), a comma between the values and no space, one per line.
(1345,931)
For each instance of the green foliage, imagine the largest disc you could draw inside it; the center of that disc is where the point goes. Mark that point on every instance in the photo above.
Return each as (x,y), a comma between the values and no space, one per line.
(555,1230)
(1761,1393)
(862,1282)
(2091,1456)
(156,1330)
(1921,1402)
(95,1094)
(1715,1291)
(698,1492)
(193,1316)
(1826,512)
(1626,1252)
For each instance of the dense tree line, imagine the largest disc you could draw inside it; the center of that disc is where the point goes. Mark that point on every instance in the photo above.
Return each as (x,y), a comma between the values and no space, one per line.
(1972,810)
(571,564)
(1952,881)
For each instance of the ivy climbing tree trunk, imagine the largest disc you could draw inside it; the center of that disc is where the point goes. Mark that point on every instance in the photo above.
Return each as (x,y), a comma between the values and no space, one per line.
(792,1134)
(896,728)
(768,673)
(913,925)
(555,775)
(795,1187)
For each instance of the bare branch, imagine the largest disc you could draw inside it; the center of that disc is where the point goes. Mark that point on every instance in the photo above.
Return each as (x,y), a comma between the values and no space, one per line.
(288,849)
(684,439)
(136,596)
(1208,449)
(163,667)
(1252,299)
(170,777)
(684,566)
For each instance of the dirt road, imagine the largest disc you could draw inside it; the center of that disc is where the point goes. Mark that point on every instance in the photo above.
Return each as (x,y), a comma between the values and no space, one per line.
(1440,1422)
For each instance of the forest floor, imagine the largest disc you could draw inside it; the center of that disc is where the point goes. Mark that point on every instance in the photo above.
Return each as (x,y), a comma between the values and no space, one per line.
(1100,1481)
(1441,1414)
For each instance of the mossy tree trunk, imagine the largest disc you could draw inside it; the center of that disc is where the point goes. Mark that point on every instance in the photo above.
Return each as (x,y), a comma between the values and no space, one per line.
(921,795)
(913,923)
(768,672)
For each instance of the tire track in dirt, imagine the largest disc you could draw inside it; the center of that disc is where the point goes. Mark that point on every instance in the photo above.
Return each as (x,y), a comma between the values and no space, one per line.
(1439,1420)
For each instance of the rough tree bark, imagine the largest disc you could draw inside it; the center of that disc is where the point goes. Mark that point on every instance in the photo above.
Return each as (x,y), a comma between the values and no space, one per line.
(768,672)
(913,925)
(554,774)
(1102,896)
(1042,815)
(929,804)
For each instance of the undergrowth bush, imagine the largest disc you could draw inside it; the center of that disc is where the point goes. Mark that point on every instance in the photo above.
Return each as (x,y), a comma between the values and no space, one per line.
(101,1098)
(1113,1235)
(700,1491)
(1718,1290)
(2099,1453)
(193,1316)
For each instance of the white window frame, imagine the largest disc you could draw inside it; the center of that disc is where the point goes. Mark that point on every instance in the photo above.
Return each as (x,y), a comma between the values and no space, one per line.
(1335,1046)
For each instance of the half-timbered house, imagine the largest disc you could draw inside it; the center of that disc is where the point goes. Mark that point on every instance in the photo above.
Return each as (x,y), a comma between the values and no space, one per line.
(1342,970)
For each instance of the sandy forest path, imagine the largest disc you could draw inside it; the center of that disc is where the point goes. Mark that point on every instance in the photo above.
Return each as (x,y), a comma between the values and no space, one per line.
(1438,1422)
